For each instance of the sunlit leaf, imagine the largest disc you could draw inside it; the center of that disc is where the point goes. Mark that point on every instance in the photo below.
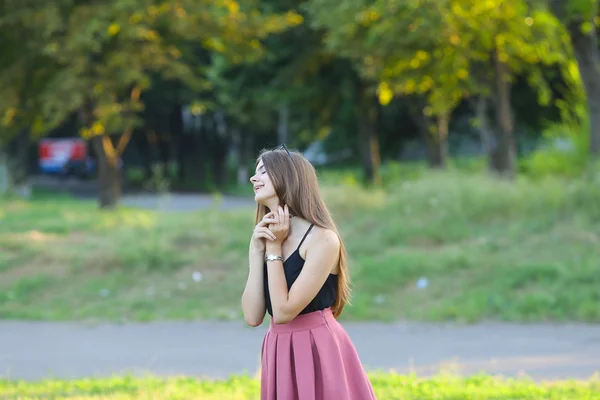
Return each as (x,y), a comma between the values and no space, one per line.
(113,29)
(385,93)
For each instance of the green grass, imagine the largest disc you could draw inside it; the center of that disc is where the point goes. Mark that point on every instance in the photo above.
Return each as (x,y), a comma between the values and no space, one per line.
(386,387)
(522,251)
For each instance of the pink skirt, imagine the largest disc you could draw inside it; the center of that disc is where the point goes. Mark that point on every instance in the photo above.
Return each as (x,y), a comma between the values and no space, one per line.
(312,358)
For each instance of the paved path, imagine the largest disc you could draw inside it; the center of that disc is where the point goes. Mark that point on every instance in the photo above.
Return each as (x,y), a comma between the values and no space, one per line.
(32,350)
(170,202)
(188,202)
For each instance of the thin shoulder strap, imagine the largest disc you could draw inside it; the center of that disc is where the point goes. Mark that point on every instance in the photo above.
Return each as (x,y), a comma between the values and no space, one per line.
(306,234)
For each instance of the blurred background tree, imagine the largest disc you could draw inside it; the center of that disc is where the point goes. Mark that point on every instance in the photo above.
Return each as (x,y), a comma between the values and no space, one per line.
(201,86)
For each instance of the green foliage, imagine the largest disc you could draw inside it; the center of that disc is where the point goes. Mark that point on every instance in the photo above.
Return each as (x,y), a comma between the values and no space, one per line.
(569,160)
(441,49)
(439,53)
(581,9)
(565,146)
(250,59)
(104,51)
(387,386)
(24,64)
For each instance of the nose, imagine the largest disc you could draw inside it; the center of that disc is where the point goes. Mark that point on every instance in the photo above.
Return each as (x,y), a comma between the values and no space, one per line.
(253,178)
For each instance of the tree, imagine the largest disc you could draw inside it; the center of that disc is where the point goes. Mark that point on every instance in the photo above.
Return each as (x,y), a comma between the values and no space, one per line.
(107,53)
(295,90)
(581,18)
(441,52)
(429,63)
(338,21)
(524,38)
(25,69)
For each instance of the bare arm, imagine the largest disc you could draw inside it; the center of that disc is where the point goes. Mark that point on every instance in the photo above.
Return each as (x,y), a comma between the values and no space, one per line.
(321,258)
(253,298)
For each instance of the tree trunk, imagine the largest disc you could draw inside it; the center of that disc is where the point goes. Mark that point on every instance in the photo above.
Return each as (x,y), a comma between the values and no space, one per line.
(484,128)
(438,144)
(19,164)
(435,137)
(4,173)
(23,187)
(587,53)
(181,134)
(585,46)
(108,174)
(503,154)
(369,145)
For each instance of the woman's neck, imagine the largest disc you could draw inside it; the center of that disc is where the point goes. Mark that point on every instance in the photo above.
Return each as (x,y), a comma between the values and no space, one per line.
(296,222)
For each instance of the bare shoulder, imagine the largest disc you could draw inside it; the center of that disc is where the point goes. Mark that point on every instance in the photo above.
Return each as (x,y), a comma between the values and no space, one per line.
(323,250)
(324,239)
(328,236)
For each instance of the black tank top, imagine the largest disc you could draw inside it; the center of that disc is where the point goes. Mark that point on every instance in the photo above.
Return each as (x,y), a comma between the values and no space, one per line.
(292,267)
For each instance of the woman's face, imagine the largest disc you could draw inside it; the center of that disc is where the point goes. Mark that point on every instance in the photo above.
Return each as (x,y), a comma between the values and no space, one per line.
(264,192)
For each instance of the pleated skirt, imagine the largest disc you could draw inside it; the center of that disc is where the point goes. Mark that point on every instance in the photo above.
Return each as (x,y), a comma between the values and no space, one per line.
(312,358)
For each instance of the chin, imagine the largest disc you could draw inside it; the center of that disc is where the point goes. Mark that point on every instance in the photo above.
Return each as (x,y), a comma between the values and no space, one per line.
(260,199)
(263,200)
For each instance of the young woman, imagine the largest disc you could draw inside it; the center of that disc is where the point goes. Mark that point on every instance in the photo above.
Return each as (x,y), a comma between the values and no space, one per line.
(299,275)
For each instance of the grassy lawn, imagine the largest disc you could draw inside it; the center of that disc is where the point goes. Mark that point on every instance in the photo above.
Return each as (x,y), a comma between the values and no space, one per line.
(386,387)
(524,251)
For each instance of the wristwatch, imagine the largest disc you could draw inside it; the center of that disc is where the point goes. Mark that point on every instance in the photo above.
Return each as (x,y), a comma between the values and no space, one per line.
(273,257)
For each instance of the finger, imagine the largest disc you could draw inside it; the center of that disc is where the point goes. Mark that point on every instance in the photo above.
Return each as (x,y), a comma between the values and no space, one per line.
(268,218)
(268,232)
(287,216)
(281,215)
(267,215)
(266,236)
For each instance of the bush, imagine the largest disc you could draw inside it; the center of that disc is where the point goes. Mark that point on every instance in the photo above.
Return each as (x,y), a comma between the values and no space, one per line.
(565,151)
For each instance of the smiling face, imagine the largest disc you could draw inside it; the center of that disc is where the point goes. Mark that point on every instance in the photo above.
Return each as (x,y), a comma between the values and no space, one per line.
(264,191)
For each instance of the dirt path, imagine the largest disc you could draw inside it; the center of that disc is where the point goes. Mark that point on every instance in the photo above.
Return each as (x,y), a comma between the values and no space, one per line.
(33,350)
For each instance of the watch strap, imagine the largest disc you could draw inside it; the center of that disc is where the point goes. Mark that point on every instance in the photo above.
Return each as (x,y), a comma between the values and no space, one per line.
(273,257)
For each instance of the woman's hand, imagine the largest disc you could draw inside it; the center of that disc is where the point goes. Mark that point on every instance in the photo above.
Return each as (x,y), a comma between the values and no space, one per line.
(281,227)
(263,233)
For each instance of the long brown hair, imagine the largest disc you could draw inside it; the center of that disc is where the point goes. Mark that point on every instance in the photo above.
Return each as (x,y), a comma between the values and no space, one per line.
(295,182)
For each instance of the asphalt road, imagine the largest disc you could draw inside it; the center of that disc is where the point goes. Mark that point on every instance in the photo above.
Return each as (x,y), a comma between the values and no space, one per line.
(35,350)
(170,202)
